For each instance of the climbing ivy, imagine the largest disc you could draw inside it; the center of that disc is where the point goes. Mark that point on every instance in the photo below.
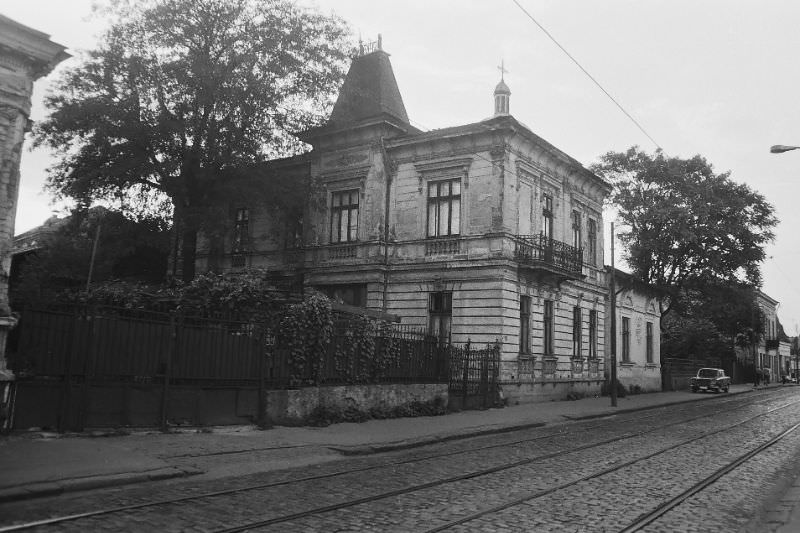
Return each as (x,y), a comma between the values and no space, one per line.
(305,331)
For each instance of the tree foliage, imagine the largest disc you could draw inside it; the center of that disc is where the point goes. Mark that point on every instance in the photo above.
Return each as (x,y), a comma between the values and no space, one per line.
(686,224)
(183,95)
(126,249)
(686,221)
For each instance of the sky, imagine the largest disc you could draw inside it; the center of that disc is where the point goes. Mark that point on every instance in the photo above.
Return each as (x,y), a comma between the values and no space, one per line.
(719,78)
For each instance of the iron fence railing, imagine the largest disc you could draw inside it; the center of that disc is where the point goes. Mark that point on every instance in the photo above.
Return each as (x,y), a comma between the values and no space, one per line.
(539,249)
(144,346)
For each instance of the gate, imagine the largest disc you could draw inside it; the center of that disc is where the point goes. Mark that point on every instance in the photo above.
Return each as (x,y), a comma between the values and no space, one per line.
(474,377)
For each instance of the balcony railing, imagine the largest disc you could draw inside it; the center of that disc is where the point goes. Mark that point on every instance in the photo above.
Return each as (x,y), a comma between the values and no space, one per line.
(442,246)
(538,250)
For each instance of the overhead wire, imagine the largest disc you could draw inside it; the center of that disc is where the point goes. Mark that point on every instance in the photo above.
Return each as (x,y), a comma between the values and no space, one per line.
(550,36)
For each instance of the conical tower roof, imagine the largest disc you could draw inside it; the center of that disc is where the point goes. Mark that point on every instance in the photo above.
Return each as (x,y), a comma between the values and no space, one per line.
(369,91)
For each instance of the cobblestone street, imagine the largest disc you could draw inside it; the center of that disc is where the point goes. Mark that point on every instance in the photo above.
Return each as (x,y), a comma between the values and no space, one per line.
(597,475)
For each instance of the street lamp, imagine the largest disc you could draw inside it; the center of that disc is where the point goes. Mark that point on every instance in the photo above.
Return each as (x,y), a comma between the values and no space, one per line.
(780,148)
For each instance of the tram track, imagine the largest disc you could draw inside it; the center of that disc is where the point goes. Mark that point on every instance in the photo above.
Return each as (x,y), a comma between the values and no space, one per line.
(389,465)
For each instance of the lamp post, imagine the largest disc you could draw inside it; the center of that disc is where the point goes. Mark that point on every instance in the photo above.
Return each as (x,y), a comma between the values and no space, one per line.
(780,148)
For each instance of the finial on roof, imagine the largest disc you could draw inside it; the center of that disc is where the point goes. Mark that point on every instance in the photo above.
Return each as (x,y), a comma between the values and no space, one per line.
(380,42)
(502,69)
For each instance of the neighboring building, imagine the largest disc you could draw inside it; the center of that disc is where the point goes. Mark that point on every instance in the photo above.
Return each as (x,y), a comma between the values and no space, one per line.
(638,334)
(764,355)
(785,358)
(27,244)
(25,56)
(482,232)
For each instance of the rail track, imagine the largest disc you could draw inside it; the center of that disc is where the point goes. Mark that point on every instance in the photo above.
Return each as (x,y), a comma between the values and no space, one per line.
(199,499)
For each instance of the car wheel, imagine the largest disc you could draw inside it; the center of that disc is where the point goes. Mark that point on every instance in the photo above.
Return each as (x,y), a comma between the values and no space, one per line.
(694,390)
(727,389)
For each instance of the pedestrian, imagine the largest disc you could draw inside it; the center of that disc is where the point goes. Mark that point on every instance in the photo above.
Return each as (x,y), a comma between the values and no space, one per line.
(756,378)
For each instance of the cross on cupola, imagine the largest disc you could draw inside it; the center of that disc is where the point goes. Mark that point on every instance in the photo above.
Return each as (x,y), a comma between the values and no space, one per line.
(502,93)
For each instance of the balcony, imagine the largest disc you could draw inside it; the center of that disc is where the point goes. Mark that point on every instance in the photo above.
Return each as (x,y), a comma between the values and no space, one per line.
(548,259)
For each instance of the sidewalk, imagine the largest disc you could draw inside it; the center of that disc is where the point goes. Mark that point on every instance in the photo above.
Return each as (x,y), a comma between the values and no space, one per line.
(36,464)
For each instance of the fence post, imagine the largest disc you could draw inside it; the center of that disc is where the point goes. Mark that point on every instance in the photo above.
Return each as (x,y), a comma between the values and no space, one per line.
(465,361)
(268,343)
(485,375)
(173,343)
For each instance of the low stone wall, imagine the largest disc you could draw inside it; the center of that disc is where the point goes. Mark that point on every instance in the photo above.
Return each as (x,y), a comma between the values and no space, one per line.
(523,392)
(41,403)
(294,406)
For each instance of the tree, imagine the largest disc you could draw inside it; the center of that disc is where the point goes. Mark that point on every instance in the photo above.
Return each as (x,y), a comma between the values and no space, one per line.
(182,96)
(134,250)
(688,227)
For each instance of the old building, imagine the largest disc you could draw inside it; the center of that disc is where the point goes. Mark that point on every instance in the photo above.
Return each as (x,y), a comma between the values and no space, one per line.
(762,356)
(638,334)
(25,56)
(482,232)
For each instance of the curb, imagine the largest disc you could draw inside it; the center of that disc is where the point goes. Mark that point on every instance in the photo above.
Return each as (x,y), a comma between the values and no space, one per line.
(426,441)
(55,488)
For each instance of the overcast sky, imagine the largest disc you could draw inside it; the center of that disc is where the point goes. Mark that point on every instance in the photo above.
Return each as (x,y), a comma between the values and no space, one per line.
(718,78)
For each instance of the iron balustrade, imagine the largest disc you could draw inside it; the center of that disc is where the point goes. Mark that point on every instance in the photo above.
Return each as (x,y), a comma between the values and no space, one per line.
(539,249)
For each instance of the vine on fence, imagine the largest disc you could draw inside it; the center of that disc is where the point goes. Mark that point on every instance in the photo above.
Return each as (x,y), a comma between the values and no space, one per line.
(306,330)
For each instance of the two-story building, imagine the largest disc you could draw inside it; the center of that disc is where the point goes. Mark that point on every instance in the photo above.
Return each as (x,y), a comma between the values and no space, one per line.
(482,232)
(763,355)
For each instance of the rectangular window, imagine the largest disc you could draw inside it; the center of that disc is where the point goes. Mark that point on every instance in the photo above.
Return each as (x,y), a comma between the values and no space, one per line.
(548,327)
(547,216)
(592,334)
(576,331)
(626,340)
(576,230)
(344,216)
(440,309)
(444,208)
(649,342)
(525,324)
(350,294)
(241,230)
(592,242)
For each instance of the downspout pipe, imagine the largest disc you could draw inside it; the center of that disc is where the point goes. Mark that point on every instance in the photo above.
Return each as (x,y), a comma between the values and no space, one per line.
(388,172)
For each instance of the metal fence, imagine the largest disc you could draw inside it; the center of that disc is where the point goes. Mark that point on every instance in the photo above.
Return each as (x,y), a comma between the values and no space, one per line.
(128,345)
(474,376)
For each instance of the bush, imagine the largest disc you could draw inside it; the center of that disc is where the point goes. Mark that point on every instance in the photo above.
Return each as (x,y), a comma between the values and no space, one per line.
(326,415)
(621,390)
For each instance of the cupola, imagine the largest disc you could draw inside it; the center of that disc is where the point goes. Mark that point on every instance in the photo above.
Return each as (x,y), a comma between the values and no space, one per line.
(502,95)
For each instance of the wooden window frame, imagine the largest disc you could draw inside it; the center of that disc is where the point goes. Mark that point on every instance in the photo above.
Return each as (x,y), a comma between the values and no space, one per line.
(436,201)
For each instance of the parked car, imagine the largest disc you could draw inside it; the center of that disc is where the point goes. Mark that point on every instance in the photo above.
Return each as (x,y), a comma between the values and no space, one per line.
(713,379)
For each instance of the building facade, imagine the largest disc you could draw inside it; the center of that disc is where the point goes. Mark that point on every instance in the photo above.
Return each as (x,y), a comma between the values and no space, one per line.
(764,356)
(483,232)
(638,349)
(25,56)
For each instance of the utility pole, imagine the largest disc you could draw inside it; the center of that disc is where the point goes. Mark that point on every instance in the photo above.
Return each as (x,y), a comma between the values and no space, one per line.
(613,325)
(94,252)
